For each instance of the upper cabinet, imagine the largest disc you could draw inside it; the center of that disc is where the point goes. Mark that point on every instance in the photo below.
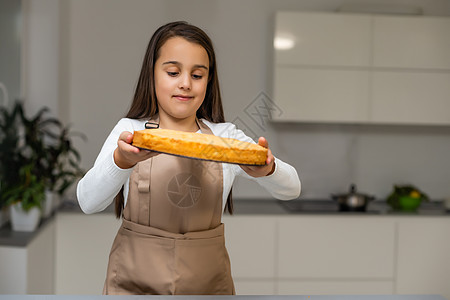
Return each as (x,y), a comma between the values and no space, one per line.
(322,39)
(361,68)
(411,42)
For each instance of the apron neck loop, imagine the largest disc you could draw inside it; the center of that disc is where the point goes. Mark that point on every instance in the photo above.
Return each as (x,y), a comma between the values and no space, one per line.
(153,123)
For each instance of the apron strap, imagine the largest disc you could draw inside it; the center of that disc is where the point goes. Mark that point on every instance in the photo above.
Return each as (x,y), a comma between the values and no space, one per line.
(144,191)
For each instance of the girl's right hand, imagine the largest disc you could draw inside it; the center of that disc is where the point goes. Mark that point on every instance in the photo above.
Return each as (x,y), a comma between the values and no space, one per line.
(127,156)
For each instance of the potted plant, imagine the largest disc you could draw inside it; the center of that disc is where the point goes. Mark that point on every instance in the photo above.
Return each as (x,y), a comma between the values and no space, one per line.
(406,198)
(60,166)
(25,199)
(36,154)
(11,160)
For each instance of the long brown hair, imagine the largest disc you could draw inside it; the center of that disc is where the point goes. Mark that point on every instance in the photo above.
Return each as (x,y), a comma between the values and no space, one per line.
(144,104)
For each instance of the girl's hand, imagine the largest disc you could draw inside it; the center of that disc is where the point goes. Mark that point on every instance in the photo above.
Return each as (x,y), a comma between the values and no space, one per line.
(126,155)
(260,171)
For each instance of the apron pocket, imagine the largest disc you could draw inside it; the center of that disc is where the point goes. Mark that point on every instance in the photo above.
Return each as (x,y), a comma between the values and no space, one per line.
(203,267)
(144,264)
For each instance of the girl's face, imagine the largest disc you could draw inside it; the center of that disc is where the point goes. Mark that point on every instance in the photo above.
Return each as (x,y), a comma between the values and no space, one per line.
(181,78)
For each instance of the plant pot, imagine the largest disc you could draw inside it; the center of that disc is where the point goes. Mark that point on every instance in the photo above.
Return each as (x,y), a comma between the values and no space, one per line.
(409,203)
(22,220)
(47,206)
(50,204)
(4,216)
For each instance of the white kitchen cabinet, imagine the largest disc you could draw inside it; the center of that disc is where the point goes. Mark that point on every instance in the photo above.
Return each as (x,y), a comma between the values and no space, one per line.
(336,247)
(411,42)
(251,245)
(316,80)
(335,287)
(83,244)
(360,68)
(286,254)
(30,269)
(322,39)
(322,95)
(254,286)
(411,98)
(423,264)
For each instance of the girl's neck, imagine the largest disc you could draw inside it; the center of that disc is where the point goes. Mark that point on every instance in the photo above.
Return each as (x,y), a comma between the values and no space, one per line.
(188,124)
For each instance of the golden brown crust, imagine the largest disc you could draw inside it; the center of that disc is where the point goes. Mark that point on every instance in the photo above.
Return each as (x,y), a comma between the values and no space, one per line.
(198,145)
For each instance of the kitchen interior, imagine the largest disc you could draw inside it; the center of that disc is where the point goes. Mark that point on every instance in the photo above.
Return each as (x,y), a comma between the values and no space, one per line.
(353,94)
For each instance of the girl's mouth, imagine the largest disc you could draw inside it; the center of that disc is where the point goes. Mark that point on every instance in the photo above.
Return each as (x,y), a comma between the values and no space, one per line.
(183,97)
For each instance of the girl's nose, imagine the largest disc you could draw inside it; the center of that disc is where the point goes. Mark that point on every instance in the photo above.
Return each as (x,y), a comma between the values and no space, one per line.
(185,82)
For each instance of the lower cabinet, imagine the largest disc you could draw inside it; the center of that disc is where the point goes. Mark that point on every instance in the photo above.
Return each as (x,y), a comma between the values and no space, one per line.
(423,265)
(255,286)
(353,248)
(335,287)
(345,254)
(251,244)
(287,254)
(83,243)
(30,269)
(307,254)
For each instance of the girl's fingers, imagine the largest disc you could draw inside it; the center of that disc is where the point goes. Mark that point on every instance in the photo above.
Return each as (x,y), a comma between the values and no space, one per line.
(258,171)
(129,139)
(126,136)
(270,157)
(127,147)
(124,143)
(263,142)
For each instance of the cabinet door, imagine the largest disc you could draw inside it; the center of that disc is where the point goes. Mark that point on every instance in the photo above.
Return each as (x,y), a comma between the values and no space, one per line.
(423,265)
(345,247)
(330,287)
(254,286)
(251,246)
(323,39)
(83,244)
(412,42)
(29,270)
(41,261)
(411,98)
(13,270)
(319,95)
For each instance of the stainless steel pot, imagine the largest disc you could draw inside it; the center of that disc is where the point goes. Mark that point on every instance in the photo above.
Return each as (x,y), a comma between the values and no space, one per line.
(353,201)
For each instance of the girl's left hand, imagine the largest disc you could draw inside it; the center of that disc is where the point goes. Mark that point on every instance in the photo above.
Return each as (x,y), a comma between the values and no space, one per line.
(260,171)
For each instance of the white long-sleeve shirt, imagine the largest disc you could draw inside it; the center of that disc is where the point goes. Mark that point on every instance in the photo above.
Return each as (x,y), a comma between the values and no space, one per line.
(97,189)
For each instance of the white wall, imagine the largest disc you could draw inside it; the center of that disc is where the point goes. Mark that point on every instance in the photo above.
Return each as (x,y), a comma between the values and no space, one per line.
(10,36)
(41,55)
(102,45)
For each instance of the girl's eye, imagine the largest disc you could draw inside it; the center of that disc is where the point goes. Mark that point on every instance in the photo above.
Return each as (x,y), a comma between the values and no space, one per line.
(197,76)
(172,74)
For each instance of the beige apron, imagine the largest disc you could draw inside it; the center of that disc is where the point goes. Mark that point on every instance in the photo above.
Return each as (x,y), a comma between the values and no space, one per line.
(172,240)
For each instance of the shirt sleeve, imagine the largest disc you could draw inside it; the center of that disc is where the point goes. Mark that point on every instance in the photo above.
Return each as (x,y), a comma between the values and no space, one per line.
(283,183)
(97,189)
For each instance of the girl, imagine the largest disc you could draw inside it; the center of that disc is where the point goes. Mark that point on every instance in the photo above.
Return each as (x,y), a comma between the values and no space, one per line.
(167,245)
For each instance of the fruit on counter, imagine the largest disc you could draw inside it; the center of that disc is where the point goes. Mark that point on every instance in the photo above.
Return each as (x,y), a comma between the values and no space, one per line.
(414,194)
(406,197)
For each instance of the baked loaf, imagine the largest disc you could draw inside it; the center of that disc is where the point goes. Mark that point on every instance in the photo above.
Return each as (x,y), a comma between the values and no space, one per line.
(202,146)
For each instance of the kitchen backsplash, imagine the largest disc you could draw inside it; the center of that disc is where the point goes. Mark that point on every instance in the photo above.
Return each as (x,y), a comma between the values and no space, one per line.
(329,158)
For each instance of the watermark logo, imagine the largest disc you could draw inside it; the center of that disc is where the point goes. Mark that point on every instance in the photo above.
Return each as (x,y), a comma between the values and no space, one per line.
(248,131)
(211,170)
(262,109)
(184,190)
